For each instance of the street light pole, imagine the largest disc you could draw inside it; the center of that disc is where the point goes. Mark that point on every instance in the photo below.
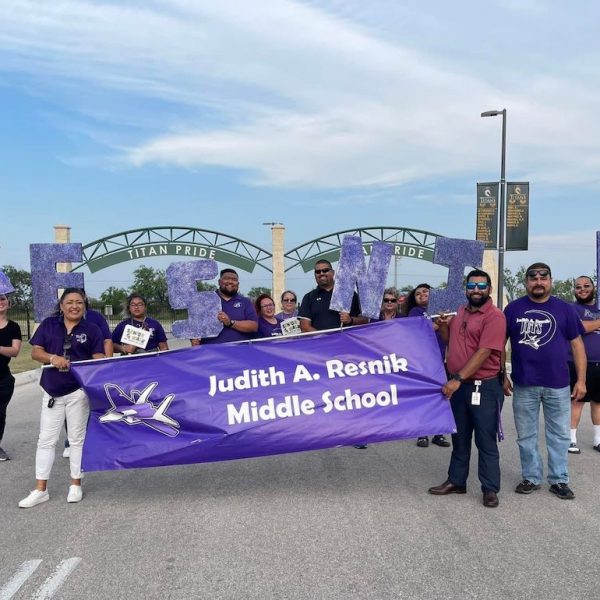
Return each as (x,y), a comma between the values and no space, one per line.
(502,208)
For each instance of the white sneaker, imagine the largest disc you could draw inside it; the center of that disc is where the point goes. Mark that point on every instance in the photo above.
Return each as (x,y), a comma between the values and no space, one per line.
(75,493)
(36,497)
(67,452)
(574,448)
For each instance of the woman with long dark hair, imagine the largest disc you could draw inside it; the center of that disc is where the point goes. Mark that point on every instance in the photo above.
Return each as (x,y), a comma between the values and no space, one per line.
(61,339)
(10,345)
(416,306)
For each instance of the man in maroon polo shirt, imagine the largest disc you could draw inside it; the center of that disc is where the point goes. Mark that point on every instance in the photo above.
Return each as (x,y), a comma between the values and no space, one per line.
(476,337)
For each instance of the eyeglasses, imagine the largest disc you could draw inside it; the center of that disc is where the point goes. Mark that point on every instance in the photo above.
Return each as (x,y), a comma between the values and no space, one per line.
(289,300)
(322,271)
(392,300)
(270,305)
(480,285)
(584,286)
(542,273)
(137,305)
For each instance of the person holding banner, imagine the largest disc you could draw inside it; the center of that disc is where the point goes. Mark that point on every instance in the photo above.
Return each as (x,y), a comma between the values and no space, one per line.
(61,339)
(237,314)
(138,332)
(390,306)
(476,338)
(416,306)
(268,324)
(10,346)
(289,304)
(314,313)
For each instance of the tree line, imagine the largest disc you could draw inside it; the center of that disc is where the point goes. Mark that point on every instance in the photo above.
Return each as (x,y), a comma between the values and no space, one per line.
(152,284)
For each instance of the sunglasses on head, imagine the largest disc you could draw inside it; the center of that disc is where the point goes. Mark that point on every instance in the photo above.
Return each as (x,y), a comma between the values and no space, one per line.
(480,285)
(392,300)
(543,273)
(322,271)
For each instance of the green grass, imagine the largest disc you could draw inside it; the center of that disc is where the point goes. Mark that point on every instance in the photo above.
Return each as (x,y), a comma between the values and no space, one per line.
(23,362)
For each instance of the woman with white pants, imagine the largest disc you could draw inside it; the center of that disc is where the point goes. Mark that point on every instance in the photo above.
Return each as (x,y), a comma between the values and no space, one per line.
(61,339)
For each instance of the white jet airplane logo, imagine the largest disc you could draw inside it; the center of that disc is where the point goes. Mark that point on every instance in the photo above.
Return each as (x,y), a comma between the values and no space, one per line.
(137,409)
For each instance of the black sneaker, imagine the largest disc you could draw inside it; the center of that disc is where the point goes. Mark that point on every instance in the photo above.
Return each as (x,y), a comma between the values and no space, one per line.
(562,490)
(360,446)
(3,455)
(423,442)
(440,440)
(526,487)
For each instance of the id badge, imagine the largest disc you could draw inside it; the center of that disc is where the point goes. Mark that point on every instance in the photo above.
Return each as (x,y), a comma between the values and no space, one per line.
(475,398)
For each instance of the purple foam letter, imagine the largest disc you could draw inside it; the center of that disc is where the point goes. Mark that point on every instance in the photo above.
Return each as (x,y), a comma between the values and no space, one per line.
(352,272)
(46,281)
(5,284)
(456,255)
(202,306)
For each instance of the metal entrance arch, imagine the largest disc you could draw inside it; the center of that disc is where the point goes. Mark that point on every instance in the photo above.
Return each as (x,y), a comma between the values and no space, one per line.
(409,243)
(186,242)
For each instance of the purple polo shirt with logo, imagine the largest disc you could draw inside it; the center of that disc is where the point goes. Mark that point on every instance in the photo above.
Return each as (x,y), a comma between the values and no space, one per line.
(93,316)
(591,340)
(86,340)
(540,334)
(237,308)
(266,329)
(157,333)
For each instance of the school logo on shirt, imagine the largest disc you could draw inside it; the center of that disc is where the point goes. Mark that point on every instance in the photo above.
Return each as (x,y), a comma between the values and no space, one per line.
(81,338)
(237,305)
(537,328)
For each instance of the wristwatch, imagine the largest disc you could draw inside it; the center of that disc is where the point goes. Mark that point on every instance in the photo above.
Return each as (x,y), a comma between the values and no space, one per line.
(456,377)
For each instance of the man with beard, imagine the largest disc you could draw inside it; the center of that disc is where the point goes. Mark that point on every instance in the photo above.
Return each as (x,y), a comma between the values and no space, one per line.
(585,306)
(237,313)
(541,328)
(314,313)
(476,338)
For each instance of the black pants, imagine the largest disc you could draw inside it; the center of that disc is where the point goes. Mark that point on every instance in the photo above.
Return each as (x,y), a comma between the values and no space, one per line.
(7,387)
(483,420)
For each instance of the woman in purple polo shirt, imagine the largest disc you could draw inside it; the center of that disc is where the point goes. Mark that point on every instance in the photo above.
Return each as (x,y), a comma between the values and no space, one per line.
(135,309)
(268,324)
(61,339)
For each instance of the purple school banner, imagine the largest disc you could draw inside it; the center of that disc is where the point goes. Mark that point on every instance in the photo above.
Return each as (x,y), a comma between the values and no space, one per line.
(365,384)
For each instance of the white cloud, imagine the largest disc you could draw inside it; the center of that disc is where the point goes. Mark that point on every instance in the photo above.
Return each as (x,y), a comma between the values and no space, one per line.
(312,94)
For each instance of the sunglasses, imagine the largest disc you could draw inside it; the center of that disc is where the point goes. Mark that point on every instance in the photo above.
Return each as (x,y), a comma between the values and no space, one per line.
(289,300)
(392,300)
(322,271)
(67,344)
(543,273)
(480,285)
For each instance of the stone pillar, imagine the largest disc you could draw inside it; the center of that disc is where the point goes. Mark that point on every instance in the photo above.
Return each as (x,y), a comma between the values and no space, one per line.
(62,235)
(490,266)
(278,266)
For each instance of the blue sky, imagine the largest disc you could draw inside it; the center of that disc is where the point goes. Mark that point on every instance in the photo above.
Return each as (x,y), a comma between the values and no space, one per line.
(323,115)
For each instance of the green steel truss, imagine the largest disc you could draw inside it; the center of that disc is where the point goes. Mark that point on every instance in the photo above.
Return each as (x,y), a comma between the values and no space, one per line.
(412,243)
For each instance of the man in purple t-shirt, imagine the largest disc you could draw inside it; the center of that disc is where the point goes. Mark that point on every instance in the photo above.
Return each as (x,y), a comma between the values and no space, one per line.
(541,329)
(586,309)
(237,313)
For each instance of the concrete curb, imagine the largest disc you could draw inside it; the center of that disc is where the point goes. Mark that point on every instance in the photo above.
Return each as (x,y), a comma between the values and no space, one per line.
(27,377)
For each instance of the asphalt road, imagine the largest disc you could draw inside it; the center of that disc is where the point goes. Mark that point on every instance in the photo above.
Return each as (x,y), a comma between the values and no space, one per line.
(341,523)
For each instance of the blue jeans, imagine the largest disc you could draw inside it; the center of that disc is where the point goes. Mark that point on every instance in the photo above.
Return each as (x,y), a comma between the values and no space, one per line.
(557,415)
